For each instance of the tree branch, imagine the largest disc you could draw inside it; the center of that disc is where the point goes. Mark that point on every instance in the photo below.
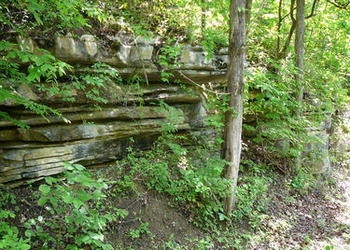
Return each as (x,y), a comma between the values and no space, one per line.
(314,6)
(292,8)
(284,17)
(279,25)
(339,5)
(283,52)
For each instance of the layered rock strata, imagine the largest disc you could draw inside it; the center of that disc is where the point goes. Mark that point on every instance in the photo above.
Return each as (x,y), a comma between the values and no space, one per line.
(141,55)
(84,134)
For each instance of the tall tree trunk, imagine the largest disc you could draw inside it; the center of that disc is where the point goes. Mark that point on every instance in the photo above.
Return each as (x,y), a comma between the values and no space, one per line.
(299,62)
(234,115)
(299,48)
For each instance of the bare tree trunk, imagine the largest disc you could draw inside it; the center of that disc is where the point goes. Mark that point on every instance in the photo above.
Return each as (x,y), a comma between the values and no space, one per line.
(233,117)
(299,61)
(299,48)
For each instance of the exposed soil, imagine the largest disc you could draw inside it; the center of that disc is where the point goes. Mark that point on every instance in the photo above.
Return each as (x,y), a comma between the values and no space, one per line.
(165,223)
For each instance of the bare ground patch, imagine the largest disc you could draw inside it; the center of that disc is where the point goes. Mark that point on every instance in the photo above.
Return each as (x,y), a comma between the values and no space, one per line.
(317,220)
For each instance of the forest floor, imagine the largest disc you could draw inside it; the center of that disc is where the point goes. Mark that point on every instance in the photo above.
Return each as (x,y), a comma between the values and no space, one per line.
(317,220)
(341,238)
(314,221)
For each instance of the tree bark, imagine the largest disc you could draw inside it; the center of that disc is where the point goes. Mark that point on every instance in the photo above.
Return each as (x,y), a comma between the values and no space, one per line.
(234,115)
(299,62)
(299,48)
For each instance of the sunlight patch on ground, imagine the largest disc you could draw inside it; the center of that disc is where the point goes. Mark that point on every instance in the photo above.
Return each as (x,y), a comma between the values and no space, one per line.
(275,234)
(341,242)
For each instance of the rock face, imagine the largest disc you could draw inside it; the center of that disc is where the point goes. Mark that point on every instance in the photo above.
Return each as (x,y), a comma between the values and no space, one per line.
(340,145)
(316,153)
(92,136)
(132,56)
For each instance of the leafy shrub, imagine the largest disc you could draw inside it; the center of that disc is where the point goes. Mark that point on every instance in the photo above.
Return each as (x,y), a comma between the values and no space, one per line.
(303,180)
(89,82)
(50,15)
(41,66)
(75,219)
(212,40)
(19,65)
(9,235)
(251,193)
(170,169)
(191,178)
(22,64)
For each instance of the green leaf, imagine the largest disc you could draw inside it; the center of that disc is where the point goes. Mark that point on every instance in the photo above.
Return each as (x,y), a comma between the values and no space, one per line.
(42,201)
(44,189)
(51,180)
(68,166)
(79,167)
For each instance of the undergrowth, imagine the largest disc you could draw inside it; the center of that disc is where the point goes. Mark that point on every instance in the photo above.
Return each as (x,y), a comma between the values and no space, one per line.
(73,214)
(192,177)
(9,234)
(76,214)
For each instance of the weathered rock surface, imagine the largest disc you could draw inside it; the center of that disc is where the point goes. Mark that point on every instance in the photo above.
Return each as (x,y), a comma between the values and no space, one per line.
(92,135)
(88,135)
(139,55)
(316,154)
(341,137)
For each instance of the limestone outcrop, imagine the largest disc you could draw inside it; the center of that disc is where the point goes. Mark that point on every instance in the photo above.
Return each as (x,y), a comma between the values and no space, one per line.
(340,145)
(87,135)
(92,135)
(139,55)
